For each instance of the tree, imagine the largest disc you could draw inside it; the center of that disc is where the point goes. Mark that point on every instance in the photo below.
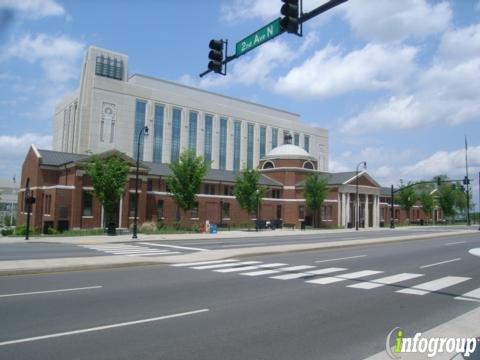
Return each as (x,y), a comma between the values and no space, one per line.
(187,176)
(406,198)
(247,190)
(447,199)
(424,195)
(109,176)
(316,191)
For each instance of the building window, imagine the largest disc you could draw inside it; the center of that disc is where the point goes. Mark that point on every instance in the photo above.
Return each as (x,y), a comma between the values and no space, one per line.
(109,67)
(207,153)
(149,184)
(158,133)
(176,127)
(48,205)
(274,138)
(192,131)
(131,205)
(225,210)
(250,146)
(228,190)
(296,139)
(263,141)
(222,163)
(87,203)
(140,109)
(276,193)
(326,212)
(306,144)
(209,189)
(237,132)
(301,212)
(160,205)
(308,165)
(194,211)
(279,212)
(268,165)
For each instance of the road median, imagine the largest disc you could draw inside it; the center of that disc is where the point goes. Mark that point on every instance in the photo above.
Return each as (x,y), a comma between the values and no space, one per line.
(18,267)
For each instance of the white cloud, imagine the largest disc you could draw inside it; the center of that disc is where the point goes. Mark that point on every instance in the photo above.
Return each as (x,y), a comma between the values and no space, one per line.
(14,149)
(255,68)
(387,20)
(446,92)
(58,55)
(331,72)
(33,9)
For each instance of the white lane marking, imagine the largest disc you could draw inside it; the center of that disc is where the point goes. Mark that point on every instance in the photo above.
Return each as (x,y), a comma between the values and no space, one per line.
(154,254)
(237,269)
(344,258)
(385,281)
(260,272)
(307,274)
(343,277)
(434,285)
(52,291)
(326,271)
(295,268)
(289,276)
(174,246)
(470,296)
(242,245)
(440,263)
(217,266)
(455,243)
(475,252)
(204,263)
(119,252)
(104,327)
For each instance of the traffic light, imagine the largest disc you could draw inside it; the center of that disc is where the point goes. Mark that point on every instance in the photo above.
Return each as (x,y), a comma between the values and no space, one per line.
(290,11)
(216,56)
(466,181)
(439,181)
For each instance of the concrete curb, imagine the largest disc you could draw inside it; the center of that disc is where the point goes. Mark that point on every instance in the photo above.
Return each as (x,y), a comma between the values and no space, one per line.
(19,267)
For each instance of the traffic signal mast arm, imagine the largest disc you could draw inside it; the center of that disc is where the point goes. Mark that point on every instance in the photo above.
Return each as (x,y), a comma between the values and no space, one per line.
(288,24)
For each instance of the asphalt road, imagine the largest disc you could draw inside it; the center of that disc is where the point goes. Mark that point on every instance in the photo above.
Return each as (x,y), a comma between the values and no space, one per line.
(36,250)
(188,313)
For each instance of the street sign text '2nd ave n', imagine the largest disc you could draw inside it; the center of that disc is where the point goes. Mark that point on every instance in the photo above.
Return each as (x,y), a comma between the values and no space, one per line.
(260,36)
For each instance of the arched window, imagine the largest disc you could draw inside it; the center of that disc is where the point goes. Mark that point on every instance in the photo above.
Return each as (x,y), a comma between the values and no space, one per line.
(308,165)
(268,165)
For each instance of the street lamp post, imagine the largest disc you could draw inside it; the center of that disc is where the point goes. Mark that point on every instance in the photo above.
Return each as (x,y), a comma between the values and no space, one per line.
(357,209)
(142,130)
(257,222)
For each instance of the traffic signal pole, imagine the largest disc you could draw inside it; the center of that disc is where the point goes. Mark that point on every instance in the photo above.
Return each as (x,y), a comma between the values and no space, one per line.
(296,21)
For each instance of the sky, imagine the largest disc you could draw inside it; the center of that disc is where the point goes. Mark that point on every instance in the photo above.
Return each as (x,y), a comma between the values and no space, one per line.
(396,83)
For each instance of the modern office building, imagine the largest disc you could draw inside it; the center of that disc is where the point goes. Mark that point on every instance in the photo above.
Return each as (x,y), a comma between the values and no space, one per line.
(110,108)
(8,201)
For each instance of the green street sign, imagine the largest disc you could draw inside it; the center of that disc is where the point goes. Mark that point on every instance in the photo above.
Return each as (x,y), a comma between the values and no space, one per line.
(260,36)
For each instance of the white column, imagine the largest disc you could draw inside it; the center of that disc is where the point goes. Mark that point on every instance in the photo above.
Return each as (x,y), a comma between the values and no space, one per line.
(366,215)
(347,208)
(343,219)
(120,212)
(377,209)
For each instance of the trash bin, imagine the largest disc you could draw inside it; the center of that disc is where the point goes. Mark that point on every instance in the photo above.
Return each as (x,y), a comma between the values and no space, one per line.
(302,225)
(213,228)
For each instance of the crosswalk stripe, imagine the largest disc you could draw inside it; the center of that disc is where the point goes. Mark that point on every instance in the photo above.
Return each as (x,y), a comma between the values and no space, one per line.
(136,251)
(343,277)
(272,265)
(204,263)
(289,276)
(434,285)
(385,281)
(237,269)
(470,296)
(260,272)
(326,271)
(299,267)
(154,253)
(205,267)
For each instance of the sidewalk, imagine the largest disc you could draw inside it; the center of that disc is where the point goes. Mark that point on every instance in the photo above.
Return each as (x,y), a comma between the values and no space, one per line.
(50,265)
(102,239)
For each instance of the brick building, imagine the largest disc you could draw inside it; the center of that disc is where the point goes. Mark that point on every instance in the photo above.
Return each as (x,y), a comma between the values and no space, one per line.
(65,200)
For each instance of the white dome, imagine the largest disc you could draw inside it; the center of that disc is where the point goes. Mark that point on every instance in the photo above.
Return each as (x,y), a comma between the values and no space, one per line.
(289,151)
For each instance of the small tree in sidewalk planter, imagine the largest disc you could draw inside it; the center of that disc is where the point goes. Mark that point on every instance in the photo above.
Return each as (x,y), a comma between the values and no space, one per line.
(186,179)
(248,191)
(316,190)
(109,176)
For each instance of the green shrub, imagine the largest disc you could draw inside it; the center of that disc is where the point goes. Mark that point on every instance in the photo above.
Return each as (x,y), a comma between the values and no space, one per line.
(7,232)
(148,227)
(52,231)
(160,224)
